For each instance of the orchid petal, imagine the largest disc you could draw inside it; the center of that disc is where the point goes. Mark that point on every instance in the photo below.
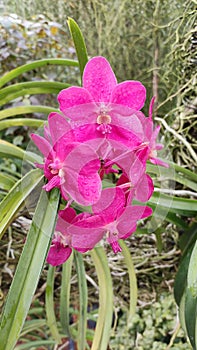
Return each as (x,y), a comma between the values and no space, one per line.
(128,220)
(73,97)
(129,93)
(53,182)
(151,106)
(65,218)
(58,254)
(81,178)
(111,202)
(144,188)
(99,79)
(84,239)
(42,144)
(58,126)
(158,161)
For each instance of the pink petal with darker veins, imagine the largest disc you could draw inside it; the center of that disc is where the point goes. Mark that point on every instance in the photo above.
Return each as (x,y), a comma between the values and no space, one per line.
(83,238)
(129,93)
(81,188)
(72,97)
(58,126)
(99,79)
(81,179)
(58,254)
(89,187)
(144,188)
(65,218)
(128,220)
(110,204)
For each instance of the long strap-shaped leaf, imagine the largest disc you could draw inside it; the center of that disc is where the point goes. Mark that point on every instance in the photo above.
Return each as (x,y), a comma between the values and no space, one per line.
(82,323)
(65,295)
(176,173)
(19,110)
(33,65)
(79,43)
(8,150)
(28,270)
(191,299)
(132,279)
(31,122)
(30,85)
(104,322)
(16,196)
(50,312)
(39,89)
(182,206)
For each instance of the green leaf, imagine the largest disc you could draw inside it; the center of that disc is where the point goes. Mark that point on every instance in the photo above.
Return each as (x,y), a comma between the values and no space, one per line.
(12,202)
(176,173)
(49,302)
(79,43)
(32,325)
(19,110)
(192,272)
(82,322)
(8,150)
(132,279)
(65,295)
(30,88)
(33,123)
(182,206)
(33,65)
(34,344)
(6,182)
(191,317)
(29,268)
(104,322)
(180,282)
(30,85)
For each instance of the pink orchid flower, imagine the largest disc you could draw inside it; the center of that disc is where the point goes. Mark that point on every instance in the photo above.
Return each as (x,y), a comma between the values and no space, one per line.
(82,232)
(111,218)
(134,180)
(102,100)
(62,243)
(60,249)
(69,165)
(150,136)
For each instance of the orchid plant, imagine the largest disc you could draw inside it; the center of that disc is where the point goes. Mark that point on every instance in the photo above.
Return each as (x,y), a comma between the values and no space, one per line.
(97,134)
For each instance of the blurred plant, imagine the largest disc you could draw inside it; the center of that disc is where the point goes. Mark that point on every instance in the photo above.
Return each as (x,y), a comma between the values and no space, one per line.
(166,206)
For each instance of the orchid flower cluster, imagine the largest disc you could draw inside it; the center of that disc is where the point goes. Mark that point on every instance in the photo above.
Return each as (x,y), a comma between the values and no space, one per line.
(100,133)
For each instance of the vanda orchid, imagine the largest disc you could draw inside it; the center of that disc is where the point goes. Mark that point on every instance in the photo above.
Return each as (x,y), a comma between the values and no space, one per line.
(100,134)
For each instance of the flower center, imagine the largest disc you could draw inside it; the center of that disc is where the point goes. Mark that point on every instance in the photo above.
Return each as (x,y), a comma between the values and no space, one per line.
(112,237)
(103,119)
(55,167)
